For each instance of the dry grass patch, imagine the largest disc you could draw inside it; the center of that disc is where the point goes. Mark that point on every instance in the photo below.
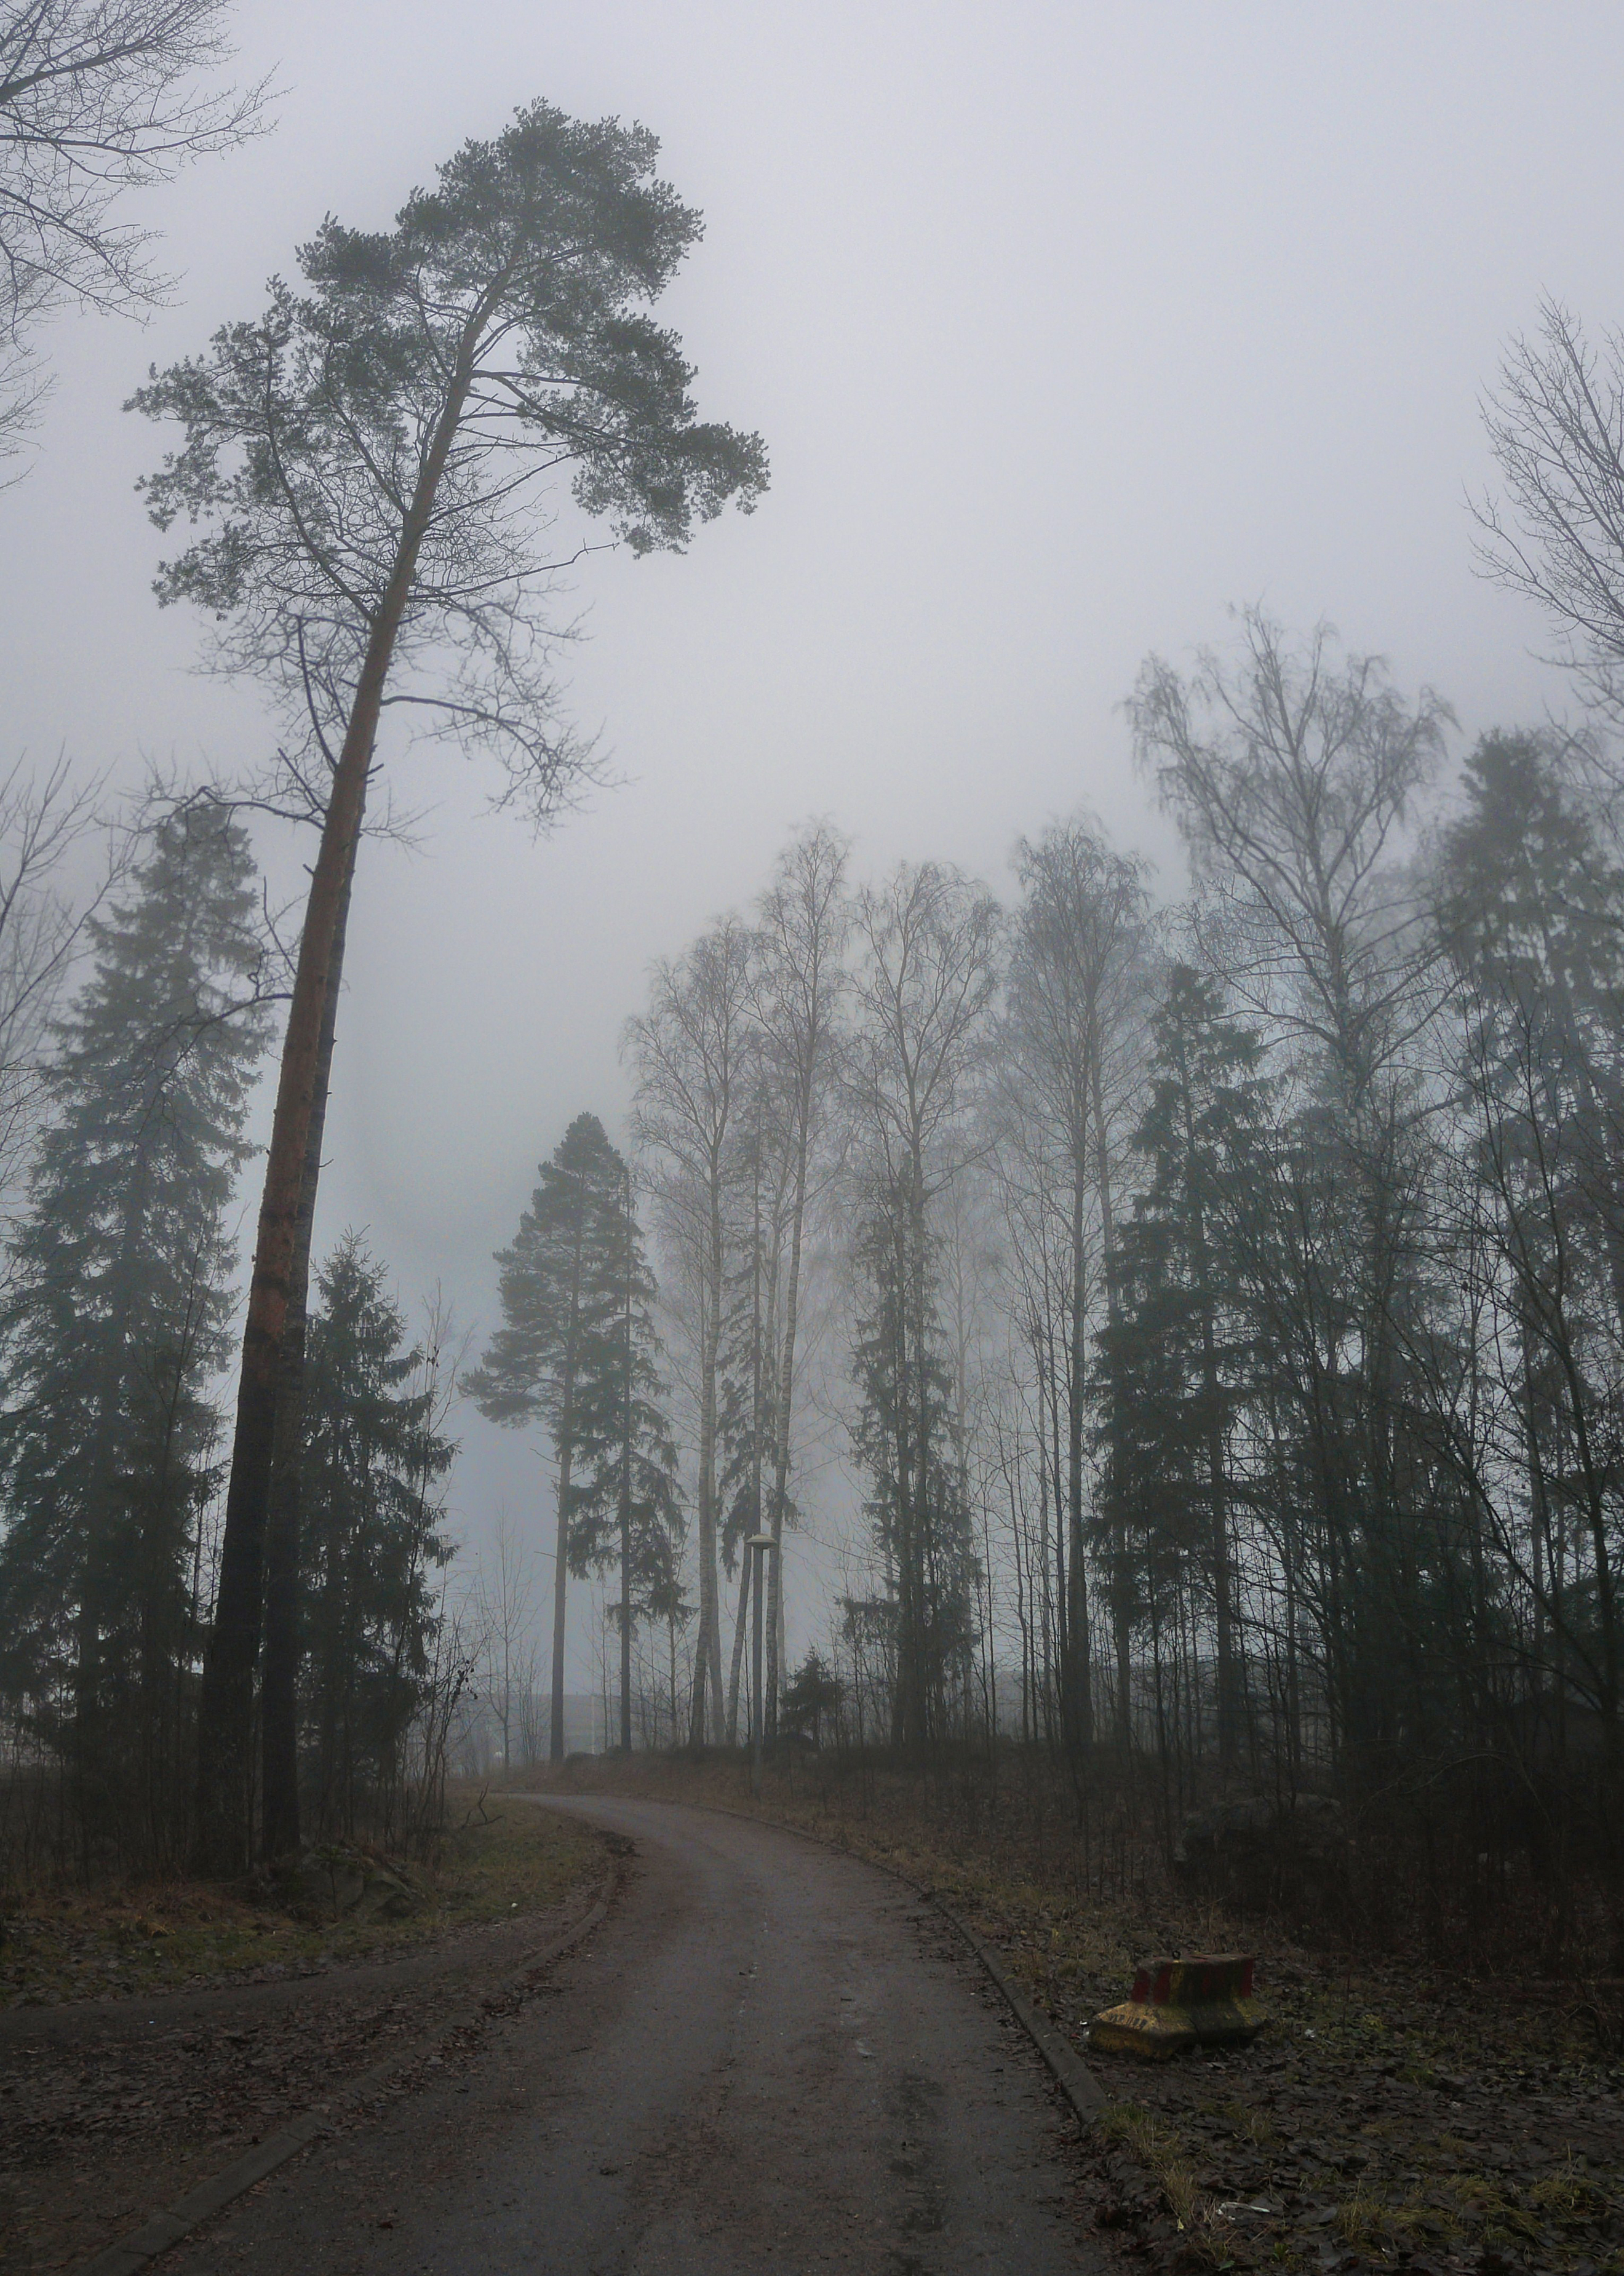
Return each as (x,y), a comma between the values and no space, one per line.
(1166,2157)
(491,1864)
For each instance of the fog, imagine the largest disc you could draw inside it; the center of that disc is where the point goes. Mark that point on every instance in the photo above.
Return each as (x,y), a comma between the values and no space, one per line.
(1065,328)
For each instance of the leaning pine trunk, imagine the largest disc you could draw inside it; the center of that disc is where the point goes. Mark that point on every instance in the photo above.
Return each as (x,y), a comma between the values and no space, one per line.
(279,1683)
(225,1707)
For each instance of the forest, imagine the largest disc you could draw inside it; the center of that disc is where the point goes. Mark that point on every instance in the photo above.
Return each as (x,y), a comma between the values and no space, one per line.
(1181,1310)
(1217,1298)
(1219,1301)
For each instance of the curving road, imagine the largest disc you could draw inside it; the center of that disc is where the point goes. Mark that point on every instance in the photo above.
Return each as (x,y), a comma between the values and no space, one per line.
(767,2057)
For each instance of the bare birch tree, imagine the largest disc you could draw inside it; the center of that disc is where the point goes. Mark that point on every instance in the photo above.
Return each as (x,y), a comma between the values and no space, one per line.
(1555,423)
(1073,1025)
(693,1054)
(798,979)
(923,986)
(97,98)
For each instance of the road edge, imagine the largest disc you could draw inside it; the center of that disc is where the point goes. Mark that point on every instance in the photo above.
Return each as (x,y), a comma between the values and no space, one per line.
(130,2254)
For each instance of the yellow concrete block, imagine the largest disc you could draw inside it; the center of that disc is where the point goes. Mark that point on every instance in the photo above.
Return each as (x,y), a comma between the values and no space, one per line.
(1179,2004)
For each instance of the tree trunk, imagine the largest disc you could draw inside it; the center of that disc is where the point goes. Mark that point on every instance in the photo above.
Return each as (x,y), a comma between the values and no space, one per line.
(707,1708)
(732,1685)
(1120,1609)
(565,1444)
(626,1501)
(279,1682)
(786,1382)
(1080,1672)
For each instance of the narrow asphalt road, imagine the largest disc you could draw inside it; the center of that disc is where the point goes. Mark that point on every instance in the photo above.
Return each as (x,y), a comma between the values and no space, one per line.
(768,2057)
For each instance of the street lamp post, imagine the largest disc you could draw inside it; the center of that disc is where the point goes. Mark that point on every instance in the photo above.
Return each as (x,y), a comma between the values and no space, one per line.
(758,1545)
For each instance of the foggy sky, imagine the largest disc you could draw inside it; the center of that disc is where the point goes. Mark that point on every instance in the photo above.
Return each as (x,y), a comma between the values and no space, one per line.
(1065,327)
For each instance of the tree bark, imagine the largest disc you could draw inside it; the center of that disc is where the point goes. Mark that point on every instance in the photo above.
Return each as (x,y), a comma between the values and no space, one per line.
(1080,1672)
(1125,1673)
(707,1708)
(279,1835)
(626,1504)
(566,1458)
(732,1686)
(786,1391)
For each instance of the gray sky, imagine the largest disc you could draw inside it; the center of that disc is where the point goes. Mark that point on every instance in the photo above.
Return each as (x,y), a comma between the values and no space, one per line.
(1066,326)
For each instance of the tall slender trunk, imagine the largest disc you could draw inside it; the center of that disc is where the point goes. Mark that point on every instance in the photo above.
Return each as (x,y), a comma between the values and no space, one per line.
(1057,1580)
(705,1714)
(924,1670)
(786,1394)
(1121,1608)
(1080,1672)
(565,1447)
(902,1578)
(279,1834)
(738,1627)
(625,1497)
(225,1707)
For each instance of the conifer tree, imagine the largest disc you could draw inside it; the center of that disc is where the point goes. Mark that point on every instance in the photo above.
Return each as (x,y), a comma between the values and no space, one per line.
(905,1438)
(115,1320)
(1175,1352)
(623,1503)
(576,1300)
(357,479)
(371,1546)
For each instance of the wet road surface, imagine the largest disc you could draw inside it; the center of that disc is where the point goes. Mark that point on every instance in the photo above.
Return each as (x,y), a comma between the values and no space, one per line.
(769,2056)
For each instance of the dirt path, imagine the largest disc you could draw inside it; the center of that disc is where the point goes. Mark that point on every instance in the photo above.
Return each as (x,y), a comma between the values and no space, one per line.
(767,2057)
(111,2109)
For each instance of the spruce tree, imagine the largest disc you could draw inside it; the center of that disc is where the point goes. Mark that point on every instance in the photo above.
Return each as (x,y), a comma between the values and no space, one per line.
(575,1351)
(623,1503)
(370,1541)
(905,1437)
(1176,1355)
(115,1320)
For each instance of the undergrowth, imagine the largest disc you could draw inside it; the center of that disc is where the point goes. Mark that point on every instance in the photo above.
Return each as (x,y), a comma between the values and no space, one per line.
(140,1937)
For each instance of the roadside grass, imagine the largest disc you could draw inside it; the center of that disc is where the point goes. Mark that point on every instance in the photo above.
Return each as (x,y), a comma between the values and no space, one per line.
(1169,2159)
(1458,2210)
(489,1863)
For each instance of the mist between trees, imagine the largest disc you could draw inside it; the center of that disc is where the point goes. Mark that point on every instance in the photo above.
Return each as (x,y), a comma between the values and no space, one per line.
(1199,1324)
(1217,1305)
